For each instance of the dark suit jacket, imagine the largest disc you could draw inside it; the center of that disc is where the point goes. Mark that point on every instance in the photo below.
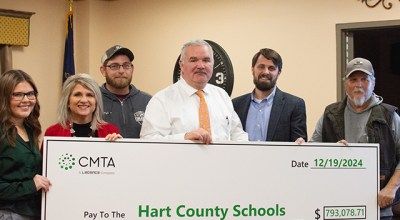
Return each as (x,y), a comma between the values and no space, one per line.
(288,116)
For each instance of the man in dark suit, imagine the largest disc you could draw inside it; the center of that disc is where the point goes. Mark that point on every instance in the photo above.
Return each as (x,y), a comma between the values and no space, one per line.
(267,113)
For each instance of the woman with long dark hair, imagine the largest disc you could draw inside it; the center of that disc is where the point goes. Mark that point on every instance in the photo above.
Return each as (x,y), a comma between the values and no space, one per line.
(21,181)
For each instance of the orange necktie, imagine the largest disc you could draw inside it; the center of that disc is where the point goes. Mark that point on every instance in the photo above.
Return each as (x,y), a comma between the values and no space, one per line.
(204,118)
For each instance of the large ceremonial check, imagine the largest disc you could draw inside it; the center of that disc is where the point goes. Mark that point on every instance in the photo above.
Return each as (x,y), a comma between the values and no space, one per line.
(146,180)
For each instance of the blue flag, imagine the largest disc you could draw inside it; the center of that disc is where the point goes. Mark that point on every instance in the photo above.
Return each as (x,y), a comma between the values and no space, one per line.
(69,64)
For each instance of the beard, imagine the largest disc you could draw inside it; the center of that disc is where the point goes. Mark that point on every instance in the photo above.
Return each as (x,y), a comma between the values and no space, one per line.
(264,86)
(119,83)
(361,100)
(358,101)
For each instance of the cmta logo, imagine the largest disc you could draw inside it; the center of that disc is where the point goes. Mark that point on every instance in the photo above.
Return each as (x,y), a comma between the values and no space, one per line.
(66,161)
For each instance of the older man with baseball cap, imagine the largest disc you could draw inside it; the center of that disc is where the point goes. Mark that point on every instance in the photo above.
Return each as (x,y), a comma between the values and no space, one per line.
(124,104)
(362,117)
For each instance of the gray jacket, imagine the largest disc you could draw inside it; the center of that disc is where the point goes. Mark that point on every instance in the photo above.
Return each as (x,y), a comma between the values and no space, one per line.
(128,114)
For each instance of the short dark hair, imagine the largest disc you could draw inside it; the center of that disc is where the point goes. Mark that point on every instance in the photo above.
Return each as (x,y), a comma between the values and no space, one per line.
(270,55)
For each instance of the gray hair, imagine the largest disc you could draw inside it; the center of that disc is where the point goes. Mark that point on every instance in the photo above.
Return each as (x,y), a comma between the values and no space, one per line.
(371,77)
(196,42)
(64,113)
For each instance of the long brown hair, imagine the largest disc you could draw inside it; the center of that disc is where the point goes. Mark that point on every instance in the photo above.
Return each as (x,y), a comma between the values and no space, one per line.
(8,81)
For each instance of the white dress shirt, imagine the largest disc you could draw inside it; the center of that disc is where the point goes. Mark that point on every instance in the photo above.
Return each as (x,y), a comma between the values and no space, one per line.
(173,111)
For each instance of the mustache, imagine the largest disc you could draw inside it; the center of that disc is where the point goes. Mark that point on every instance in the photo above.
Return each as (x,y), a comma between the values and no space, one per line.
(201,71)
(265,75)
(358,90)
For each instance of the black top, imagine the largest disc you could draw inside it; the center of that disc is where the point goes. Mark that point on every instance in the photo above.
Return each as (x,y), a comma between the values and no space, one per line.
(83,130)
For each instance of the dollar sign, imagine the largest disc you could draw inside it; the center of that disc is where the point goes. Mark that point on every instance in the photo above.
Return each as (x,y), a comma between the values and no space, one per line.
(317,213)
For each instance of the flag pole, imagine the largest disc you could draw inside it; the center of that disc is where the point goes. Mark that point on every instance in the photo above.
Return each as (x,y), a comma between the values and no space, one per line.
(69,63)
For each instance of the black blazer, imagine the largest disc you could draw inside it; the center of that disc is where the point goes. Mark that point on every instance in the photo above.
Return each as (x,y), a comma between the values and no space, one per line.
(288,119)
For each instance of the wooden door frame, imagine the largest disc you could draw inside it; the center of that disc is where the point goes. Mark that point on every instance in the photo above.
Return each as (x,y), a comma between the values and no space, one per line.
(343,54)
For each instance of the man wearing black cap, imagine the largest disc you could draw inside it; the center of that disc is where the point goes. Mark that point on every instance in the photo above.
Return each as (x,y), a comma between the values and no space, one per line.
(124,104)
(362,117)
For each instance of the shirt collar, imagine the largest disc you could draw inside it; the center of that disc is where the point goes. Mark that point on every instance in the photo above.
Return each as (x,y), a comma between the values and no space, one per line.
(268,98)
(190,90)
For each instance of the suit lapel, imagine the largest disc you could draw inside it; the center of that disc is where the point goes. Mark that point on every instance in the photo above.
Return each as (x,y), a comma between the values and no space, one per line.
(30,146)
(243,113)
(277,106)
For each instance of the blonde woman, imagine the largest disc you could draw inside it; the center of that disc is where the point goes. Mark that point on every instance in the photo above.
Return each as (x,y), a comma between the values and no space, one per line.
(80,111)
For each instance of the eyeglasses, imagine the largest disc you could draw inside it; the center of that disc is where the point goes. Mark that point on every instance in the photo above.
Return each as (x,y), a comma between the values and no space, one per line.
(116,66)
(18,96)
